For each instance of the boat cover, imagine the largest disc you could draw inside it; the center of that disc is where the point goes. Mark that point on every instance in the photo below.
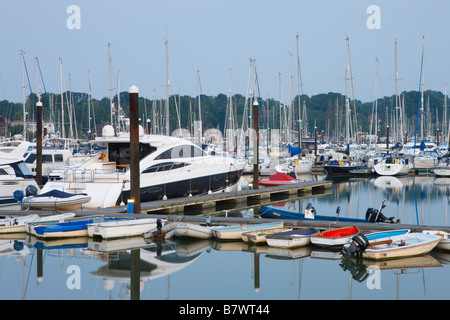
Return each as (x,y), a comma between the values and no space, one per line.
(59,194)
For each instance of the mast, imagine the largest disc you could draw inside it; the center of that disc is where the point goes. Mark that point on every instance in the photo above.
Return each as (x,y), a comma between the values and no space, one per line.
(23,97)
(166,44)
(300,84)
(347,102)
(89,105)
(374,106)
(421,93)
(199,88)
(63,129)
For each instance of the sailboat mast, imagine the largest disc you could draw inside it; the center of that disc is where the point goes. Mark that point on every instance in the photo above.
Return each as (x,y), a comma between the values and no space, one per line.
(89,105)
(63,129)
(421,93)
(110,83)
(166,43)
(347,103)
(23,97)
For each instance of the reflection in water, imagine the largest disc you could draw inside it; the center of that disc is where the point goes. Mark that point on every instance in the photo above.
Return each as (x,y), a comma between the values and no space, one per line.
(135,268)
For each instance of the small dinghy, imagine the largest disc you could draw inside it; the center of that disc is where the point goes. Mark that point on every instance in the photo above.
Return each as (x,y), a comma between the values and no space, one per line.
(335,238)
(413,244)
(361,242)
(278,179)
(260,236)
(292,238)
(16,224)
(76,228)
(235,232)
(56,199)
(197,231)
(50,219)
(444,244)
(120,228)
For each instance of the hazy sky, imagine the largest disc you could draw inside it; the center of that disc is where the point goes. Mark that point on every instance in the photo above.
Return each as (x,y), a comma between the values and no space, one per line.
(213,37)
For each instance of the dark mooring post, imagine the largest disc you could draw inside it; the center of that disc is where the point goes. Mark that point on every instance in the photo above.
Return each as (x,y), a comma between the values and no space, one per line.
(387,137)
(256,146)
(134,149)
(39,143)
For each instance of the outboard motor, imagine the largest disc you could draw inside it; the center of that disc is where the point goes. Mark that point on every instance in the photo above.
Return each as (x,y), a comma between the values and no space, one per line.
(358,245)
(31,191)
(310,212)
(374,215)
(208,221)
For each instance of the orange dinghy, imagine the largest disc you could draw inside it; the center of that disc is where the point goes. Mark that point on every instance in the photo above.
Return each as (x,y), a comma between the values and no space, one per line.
(335,237)
(277,179)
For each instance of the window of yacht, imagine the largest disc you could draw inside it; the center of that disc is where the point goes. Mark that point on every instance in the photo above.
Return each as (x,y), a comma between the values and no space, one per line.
(31,158)
(47,158)
(165,166)
(58,158)
(3,172)
(184,151)
(120,152)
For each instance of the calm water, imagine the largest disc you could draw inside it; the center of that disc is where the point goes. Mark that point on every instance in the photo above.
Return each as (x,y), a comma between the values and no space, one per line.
(205,270)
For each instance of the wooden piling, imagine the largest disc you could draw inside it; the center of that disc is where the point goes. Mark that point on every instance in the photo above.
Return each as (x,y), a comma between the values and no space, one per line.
(256,146)
(39,143)
(134,149)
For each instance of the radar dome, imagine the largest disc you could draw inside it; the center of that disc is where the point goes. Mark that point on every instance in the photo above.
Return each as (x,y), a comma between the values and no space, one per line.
(108,131)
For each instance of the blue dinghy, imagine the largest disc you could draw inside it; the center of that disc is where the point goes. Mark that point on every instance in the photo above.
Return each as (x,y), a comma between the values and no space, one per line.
(372,215)
(69,229)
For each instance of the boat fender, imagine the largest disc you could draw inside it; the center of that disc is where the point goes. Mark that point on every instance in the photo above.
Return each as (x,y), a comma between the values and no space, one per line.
(18,195)
(358,245)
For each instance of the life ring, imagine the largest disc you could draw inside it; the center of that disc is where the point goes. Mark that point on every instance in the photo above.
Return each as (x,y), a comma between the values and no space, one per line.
(340,162)
(395,160)
(103,156)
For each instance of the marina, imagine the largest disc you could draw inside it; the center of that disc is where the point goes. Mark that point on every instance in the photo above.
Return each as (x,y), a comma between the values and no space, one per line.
(323,177)
(247,267)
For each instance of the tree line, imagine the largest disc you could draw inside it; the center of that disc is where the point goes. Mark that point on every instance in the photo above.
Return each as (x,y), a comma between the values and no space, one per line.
(323,111)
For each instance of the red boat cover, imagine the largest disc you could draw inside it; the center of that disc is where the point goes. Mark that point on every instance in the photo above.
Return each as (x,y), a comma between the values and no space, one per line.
(280,176)
(342,232)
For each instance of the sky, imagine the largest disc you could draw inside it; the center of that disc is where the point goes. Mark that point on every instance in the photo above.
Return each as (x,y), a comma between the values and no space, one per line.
(215,40)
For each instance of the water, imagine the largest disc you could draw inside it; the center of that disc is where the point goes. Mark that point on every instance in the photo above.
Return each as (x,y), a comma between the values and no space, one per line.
(209,270)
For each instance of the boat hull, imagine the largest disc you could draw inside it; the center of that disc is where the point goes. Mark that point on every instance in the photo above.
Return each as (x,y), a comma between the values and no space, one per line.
(415,244)
(276,213)
(291,239)
(334,238)
(235,233)
(120,229)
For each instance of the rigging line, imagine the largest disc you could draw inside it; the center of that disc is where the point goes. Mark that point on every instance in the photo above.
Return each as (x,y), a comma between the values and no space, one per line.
(418,101)
(45,91)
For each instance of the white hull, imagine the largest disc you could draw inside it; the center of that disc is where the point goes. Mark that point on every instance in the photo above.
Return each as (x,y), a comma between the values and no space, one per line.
(294,241)
(393,169)
(120,229)
(188,230)
(16,225)
(64,234)
(235,233)
(55,203)
(260,236)
(444,243)
(413,245)
(442,170)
